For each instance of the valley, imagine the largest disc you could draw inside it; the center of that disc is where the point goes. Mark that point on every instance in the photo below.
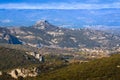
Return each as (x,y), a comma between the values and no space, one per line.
(59,39)
(45,51)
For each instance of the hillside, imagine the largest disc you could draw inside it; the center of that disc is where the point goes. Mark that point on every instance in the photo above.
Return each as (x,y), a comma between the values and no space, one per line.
(101,69)
(54,68)
(7,37)
(44,34)
(11,58)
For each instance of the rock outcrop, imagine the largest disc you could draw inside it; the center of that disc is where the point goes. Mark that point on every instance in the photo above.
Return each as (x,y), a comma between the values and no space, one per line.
(23,72)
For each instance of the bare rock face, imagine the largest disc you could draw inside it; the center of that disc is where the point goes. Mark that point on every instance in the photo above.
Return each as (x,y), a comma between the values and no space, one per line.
(31,72)
(7,37)
(0,73)
(44,25)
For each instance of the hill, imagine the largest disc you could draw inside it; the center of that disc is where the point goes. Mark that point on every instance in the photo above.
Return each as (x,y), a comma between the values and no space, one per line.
(7,37)
(11,58)
(44,33)
(101,69)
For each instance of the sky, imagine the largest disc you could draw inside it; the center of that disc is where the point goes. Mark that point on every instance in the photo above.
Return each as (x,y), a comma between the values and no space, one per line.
(59,4)
(77,12)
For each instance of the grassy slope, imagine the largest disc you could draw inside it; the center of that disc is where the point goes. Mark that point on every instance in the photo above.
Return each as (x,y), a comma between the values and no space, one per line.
(10,58)
(101,69)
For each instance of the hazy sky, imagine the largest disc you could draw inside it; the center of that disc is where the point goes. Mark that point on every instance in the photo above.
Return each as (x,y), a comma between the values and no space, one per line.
(95,12)
(59,4)
(58,1)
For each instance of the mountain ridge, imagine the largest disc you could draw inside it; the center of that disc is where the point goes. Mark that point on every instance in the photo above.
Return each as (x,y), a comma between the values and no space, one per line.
(45,34)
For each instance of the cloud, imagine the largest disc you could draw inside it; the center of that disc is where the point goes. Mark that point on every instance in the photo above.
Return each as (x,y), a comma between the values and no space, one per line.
(58,6)
(5,21)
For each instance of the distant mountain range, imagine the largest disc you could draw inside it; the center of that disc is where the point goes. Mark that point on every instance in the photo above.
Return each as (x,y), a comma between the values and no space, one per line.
(110,29)
(44,33)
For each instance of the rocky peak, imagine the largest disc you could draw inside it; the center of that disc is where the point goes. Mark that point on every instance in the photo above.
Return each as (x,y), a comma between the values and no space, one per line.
(44,25)
(41,23)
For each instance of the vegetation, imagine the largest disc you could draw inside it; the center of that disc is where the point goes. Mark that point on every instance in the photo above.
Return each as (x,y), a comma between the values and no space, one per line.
(11,58)
(6,76)
(19,47)
(101,69)
(56,69)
